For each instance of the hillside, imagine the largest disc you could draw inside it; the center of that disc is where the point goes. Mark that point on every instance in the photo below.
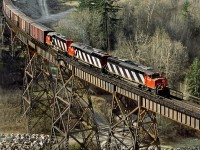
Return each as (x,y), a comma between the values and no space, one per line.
(10,98)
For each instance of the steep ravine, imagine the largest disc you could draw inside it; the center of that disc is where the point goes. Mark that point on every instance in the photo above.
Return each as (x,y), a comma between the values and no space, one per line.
(9,100)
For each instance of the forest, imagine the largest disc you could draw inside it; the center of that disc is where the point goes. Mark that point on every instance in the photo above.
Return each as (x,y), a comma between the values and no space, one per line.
(164,35)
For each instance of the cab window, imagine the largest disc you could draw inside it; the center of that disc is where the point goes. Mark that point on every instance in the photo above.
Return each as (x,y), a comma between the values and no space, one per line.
(156,75)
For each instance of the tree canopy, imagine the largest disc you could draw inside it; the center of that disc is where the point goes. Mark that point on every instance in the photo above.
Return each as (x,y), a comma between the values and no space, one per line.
(194,78)
(109,21)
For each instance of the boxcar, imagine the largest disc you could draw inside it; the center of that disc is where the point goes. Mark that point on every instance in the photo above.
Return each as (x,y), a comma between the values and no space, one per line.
(39,32)
(24,23)
(8,8)
(15,15)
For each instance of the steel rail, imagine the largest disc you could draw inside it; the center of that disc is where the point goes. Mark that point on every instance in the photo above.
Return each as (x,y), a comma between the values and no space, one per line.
(175,104)
(181,106)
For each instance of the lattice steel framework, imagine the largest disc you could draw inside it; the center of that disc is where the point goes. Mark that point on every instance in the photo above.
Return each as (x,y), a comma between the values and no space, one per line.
(37,94)
(73,116)
(63,102)
(2,29)
(131,127)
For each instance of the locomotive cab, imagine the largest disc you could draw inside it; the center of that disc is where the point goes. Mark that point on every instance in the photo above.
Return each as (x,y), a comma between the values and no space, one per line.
(157,82)
(71,51)
(58,41)
(48,40)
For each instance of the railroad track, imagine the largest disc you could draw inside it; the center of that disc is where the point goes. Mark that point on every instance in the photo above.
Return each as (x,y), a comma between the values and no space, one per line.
(175,100)
(178,99)
(187,105)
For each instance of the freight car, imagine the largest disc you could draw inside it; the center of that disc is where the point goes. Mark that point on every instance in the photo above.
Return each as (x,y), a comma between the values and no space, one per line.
(15,15)
(39,32)
(24,24)
(34,29)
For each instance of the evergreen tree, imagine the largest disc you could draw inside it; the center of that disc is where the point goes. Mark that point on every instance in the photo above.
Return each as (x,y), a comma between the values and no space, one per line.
(185,8)
(91,4)
(109,23)
(194,78)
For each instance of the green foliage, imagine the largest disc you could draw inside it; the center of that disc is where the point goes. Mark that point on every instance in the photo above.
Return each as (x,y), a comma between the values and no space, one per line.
(185,8)
(91,4)
(109,22)
(194,78)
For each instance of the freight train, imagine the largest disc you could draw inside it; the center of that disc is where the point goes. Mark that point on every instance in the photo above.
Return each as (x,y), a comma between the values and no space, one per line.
(142,76)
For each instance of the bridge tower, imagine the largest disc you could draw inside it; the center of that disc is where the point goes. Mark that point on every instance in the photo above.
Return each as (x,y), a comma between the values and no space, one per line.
(9,37)
(73,115)
(2,29)
(37,95)
(53,97)
(132,126)
(11,54)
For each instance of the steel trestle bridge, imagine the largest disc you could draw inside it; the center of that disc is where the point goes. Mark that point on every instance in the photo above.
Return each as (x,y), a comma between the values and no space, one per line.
(61,97)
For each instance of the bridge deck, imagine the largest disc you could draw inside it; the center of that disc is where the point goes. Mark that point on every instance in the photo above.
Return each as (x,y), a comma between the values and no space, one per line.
(178,111)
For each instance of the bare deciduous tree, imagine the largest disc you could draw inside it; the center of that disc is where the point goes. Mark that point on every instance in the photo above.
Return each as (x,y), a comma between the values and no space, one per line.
(159,52)
(166,55)
(83,26)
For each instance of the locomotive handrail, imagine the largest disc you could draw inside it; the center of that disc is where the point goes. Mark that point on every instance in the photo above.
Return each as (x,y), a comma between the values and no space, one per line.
(192,98)
(176,93)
